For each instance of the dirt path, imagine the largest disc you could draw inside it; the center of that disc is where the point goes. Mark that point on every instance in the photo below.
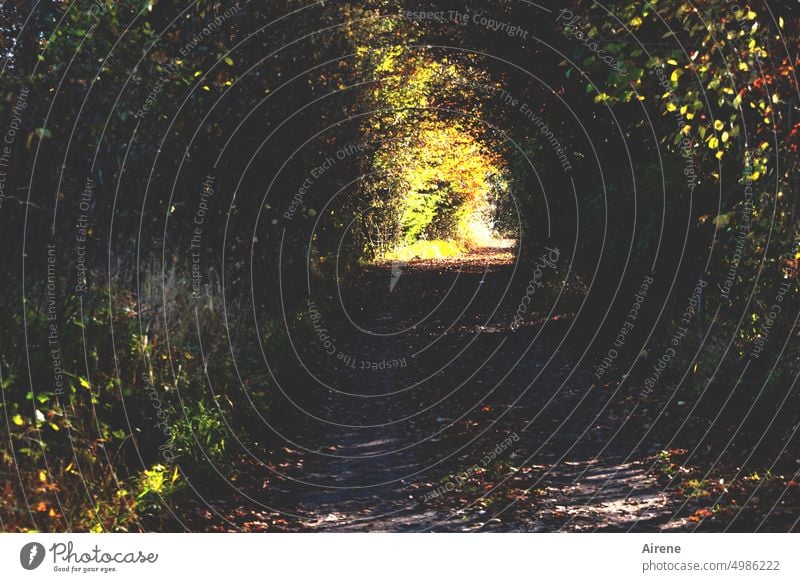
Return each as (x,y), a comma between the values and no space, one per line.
(436,415)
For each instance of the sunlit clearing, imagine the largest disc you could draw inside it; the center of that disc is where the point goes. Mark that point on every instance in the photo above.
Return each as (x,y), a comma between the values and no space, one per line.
(424,249)
(438,180)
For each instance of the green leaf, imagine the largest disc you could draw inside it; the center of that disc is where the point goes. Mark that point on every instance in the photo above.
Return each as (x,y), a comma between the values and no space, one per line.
(722,220)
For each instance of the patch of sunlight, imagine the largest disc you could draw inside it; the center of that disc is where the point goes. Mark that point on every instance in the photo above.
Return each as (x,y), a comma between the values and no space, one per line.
(424,249)
(480,233)
(477,231)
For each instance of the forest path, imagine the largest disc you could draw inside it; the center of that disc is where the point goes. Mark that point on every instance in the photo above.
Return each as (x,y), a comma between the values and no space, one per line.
(436,415)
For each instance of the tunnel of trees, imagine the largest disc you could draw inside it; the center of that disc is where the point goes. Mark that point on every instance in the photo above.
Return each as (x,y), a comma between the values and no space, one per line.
(210,209)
